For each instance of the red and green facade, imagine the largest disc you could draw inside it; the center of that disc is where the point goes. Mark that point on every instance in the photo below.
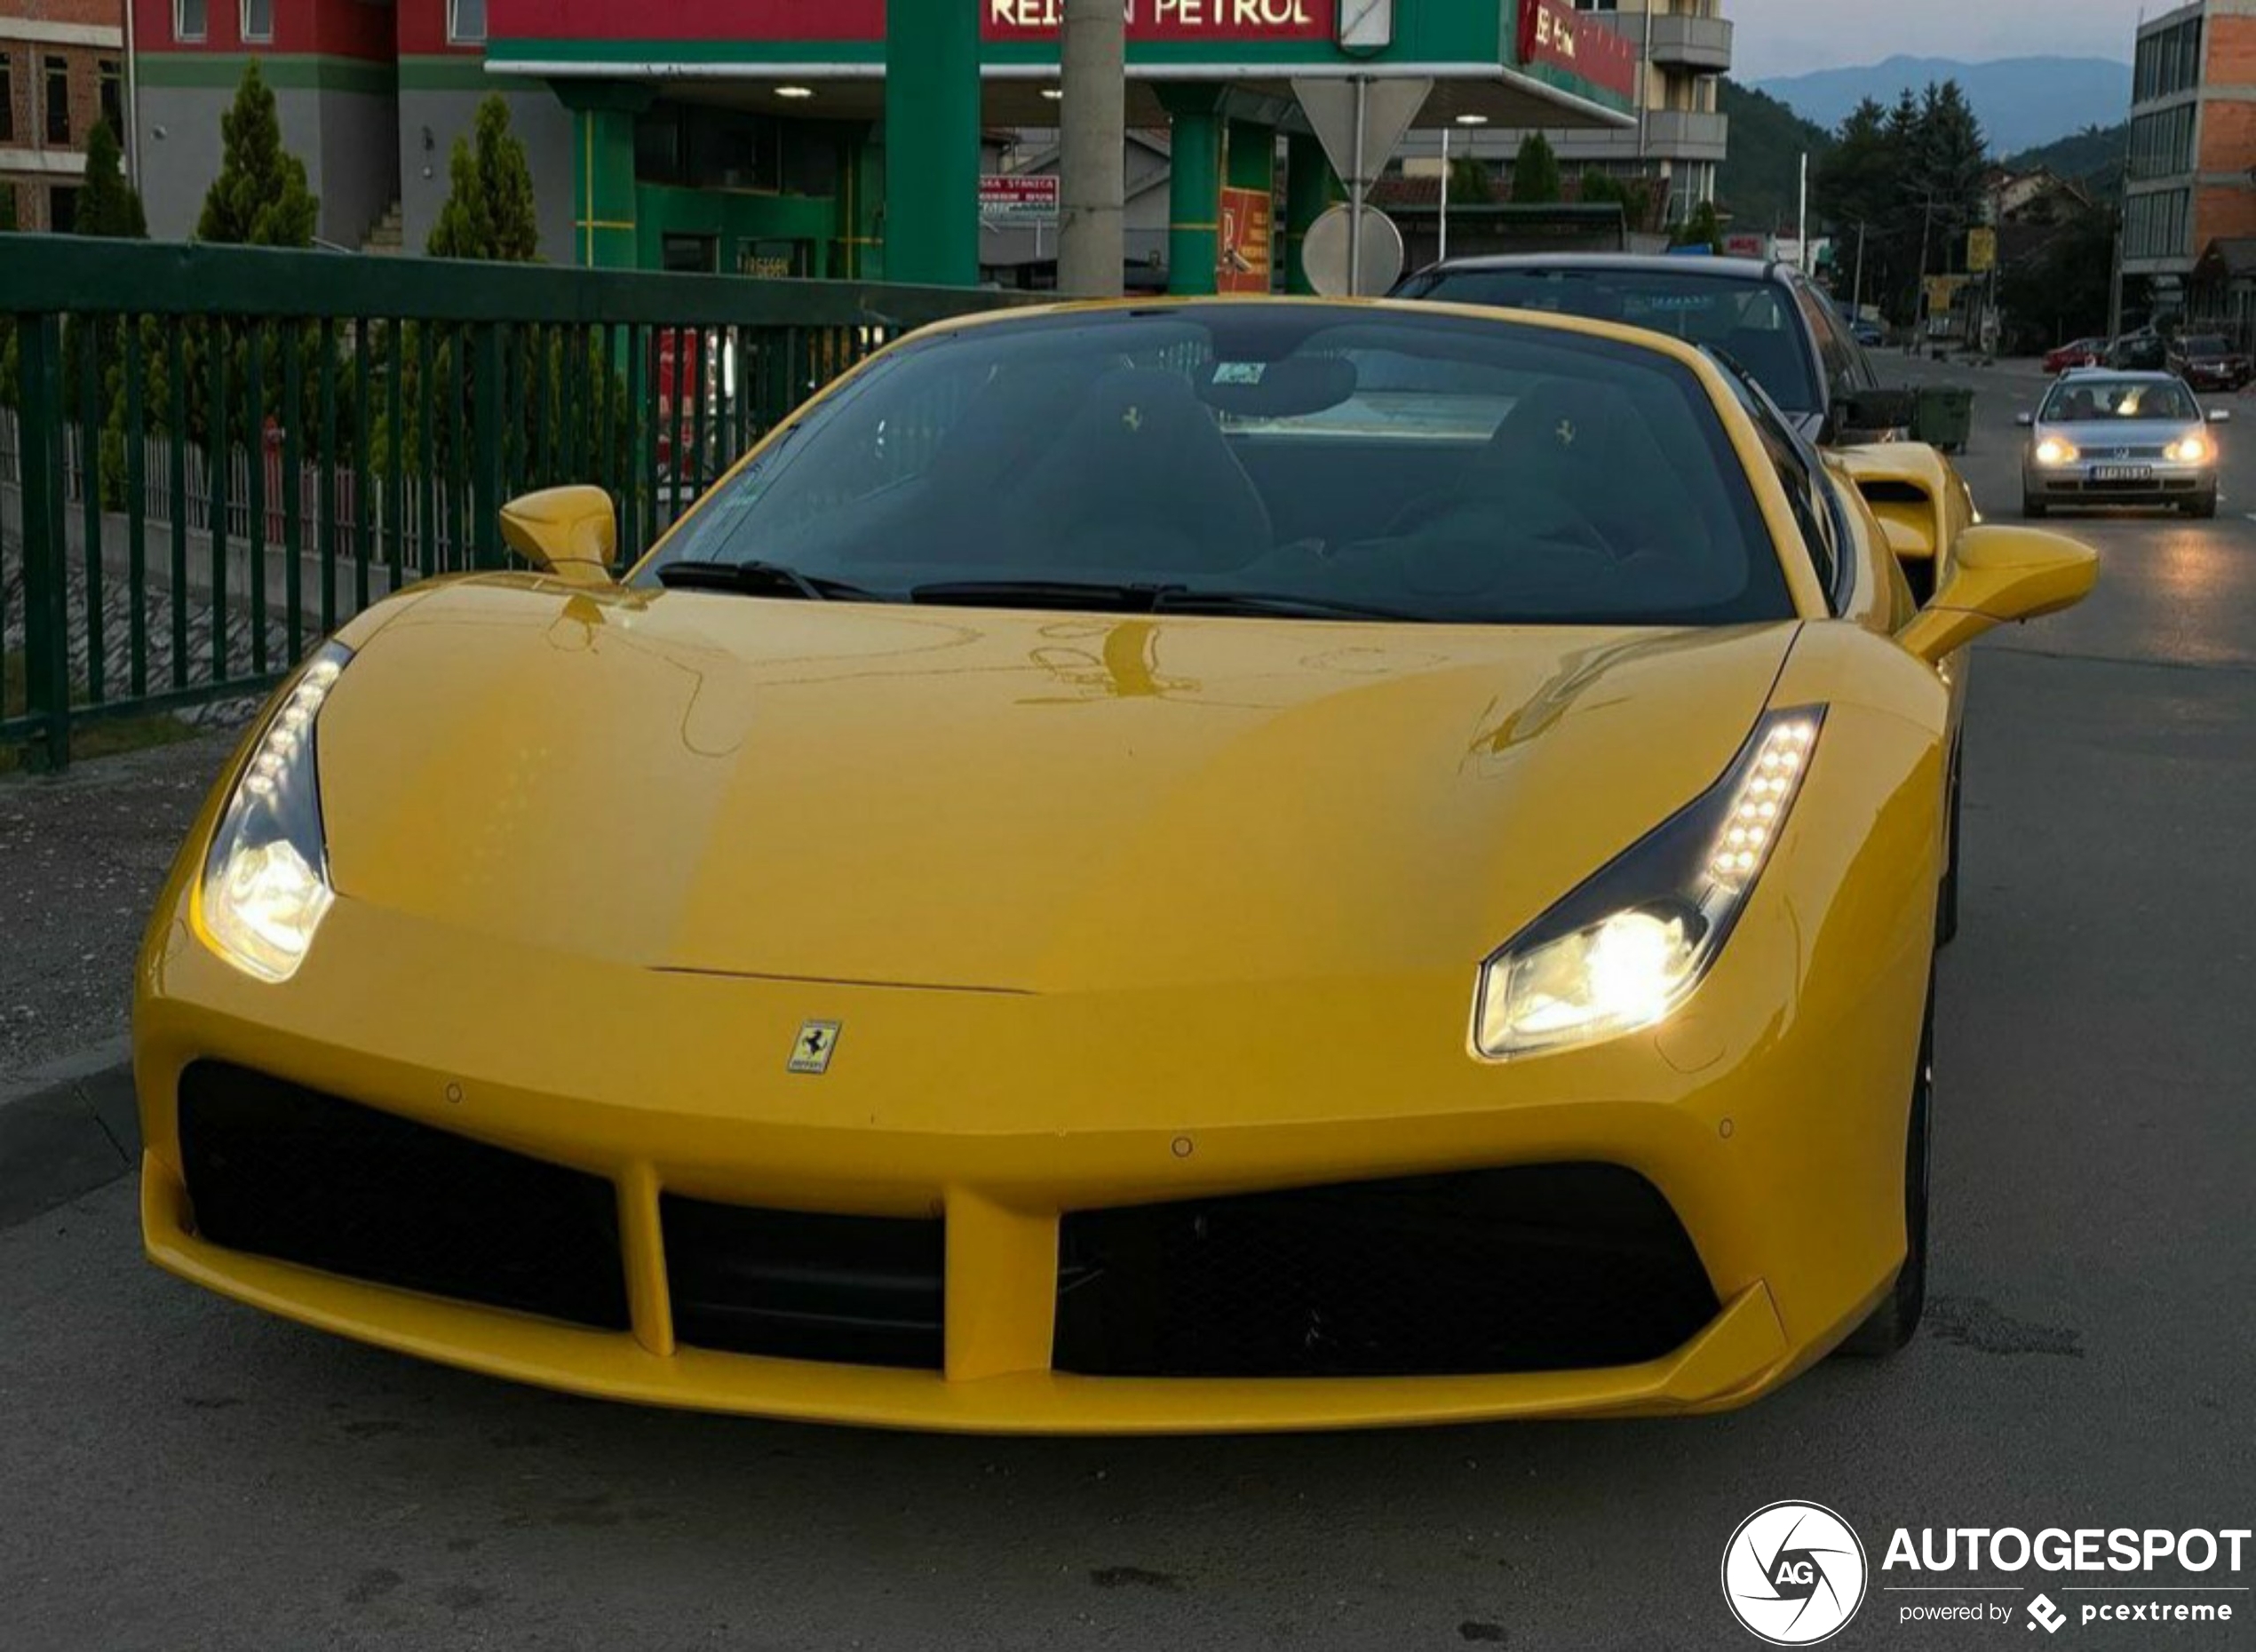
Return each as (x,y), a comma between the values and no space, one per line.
(767,135)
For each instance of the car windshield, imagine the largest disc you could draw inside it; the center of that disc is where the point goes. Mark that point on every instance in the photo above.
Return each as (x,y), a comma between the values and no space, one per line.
(2206,345)
(1752,322)
(1287,459)
(2089,400)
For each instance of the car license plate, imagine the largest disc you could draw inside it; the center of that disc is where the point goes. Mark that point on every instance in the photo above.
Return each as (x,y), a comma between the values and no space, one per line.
(2122,472)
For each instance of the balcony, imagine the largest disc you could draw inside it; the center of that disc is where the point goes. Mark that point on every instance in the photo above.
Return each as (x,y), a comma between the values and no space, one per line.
(1681,135)
(1703,44)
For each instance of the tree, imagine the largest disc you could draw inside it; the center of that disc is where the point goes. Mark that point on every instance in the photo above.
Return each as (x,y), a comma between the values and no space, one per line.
(1634,197)
(1534,173)
(259,198)
(1703,228)
(108,205)
(1471,182)
(489,212)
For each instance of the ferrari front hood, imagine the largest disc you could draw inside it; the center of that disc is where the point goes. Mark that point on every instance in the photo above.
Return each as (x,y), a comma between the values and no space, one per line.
(1012,801)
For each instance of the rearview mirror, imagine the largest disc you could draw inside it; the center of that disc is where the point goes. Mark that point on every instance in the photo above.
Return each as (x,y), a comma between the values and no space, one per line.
(2024,420)
(2000,575)
(571,533)
(2221,415)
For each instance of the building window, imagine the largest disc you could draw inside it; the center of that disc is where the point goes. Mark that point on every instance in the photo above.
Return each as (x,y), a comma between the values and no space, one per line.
(7,98)
(110,86)
(62,209)
(187,20)
(258,20)
(466,21)
(58,78)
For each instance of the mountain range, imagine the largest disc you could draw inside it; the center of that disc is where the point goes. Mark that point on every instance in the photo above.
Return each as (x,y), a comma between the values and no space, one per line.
(2023,102)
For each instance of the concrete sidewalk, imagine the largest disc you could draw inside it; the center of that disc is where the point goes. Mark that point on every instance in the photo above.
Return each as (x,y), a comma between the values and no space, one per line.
(82,857)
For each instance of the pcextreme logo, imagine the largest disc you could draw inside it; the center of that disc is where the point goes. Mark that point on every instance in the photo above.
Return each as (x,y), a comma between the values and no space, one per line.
(1794,1574)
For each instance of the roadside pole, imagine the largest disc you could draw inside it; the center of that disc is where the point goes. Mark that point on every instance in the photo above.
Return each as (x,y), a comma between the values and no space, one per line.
(1092,147)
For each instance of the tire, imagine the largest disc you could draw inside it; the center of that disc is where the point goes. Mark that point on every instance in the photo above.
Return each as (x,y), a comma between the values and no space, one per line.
(1892,1325)
(1946,914)
(2204,508)
(2033,508)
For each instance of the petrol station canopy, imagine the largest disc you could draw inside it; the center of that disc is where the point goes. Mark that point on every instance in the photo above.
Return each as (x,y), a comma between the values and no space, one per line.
(1513,62)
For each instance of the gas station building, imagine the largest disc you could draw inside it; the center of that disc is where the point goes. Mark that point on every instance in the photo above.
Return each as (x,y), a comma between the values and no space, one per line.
(768,136)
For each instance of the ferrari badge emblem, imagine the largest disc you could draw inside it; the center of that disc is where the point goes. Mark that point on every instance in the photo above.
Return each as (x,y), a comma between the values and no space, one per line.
(1566,433)
(1133,419)
(818,1043)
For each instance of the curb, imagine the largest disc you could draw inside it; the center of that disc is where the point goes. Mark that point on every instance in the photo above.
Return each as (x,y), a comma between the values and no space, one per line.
(81,1130)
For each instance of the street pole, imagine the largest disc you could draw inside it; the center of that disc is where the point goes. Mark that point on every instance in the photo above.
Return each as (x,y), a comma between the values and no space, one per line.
(1093,149)
(1445,195)
(1358,186)
(1858,302)
(1801,221)
(133,100)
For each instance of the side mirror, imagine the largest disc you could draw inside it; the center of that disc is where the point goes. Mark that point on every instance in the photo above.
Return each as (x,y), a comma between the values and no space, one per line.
(571,533)
(2000,575)
(1879,409)
(2221,415)
(2027,421)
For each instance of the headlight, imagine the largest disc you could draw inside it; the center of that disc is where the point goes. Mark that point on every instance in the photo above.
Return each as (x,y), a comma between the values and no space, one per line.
(2193,449)
(1627,948)
(2052,450)
(265,882)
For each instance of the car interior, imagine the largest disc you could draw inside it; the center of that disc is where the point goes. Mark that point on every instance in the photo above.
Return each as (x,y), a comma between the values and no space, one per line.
(1423,470)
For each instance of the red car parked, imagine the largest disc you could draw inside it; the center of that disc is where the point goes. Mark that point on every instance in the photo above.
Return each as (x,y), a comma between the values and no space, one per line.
(2083,353)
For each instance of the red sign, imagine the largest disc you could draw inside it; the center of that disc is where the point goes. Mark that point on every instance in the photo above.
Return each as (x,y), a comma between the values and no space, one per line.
(1553,32)
(1019,197)
(1171,20)
(1248,218)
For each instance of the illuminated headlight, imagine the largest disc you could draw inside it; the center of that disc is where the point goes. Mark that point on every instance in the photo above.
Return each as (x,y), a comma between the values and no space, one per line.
(1627,948)
(265,882)
(2052,450)
(2193,449)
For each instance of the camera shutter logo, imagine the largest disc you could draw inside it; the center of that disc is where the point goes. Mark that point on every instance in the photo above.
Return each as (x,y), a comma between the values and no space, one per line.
(1794,1574)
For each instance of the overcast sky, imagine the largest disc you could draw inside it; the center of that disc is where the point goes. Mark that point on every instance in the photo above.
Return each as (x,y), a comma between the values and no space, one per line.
(1792,36)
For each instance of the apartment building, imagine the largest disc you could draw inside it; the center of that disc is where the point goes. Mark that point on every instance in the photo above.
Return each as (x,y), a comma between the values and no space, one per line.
(62,69)
(2189,208)
(1683,49)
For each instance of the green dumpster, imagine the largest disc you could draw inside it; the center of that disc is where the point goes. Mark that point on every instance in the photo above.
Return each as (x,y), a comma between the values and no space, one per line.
(1943,416)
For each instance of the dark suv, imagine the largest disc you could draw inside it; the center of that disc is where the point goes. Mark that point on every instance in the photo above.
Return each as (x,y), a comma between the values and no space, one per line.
(1765,316)
(2206,361)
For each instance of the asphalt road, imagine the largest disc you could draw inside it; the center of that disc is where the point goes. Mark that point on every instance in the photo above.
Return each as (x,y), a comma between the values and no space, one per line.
(178,1473)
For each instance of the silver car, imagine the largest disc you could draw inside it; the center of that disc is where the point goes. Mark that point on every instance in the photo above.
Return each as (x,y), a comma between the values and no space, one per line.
(2104,437)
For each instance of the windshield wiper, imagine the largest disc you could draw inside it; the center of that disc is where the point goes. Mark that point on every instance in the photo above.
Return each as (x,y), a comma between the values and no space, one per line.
(760,579)
(1283,604)
(1045,593)
(1142,599)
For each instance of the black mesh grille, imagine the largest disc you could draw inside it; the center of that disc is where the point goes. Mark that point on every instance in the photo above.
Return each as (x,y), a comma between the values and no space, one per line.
(853,1289)
(301,1176)
(1534,1268)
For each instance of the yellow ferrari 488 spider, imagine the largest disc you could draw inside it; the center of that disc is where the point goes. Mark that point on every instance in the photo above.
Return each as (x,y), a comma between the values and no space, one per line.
(1216,866)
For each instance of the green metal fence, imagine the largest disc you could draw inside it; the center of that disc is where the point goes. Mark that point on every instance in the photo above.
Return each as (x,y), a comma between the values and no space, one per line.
(211,456)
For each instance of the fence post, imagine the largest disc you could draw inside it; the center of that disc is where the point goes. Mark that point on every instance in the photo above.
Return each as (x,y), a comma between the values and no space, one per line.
(485,480)
(47,577)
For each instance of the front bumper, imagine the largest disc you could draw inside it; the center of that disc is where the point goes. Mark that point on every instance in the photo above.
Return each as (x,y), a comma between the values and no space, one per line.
(1769,1114)
(2082,483)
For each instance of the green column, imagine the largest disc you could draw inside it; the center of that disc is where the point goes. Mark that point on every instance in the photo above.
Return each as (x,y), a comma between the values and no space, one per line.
(1195,199)
(1310,189)
(932,152)
(605,231)
(862,193)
